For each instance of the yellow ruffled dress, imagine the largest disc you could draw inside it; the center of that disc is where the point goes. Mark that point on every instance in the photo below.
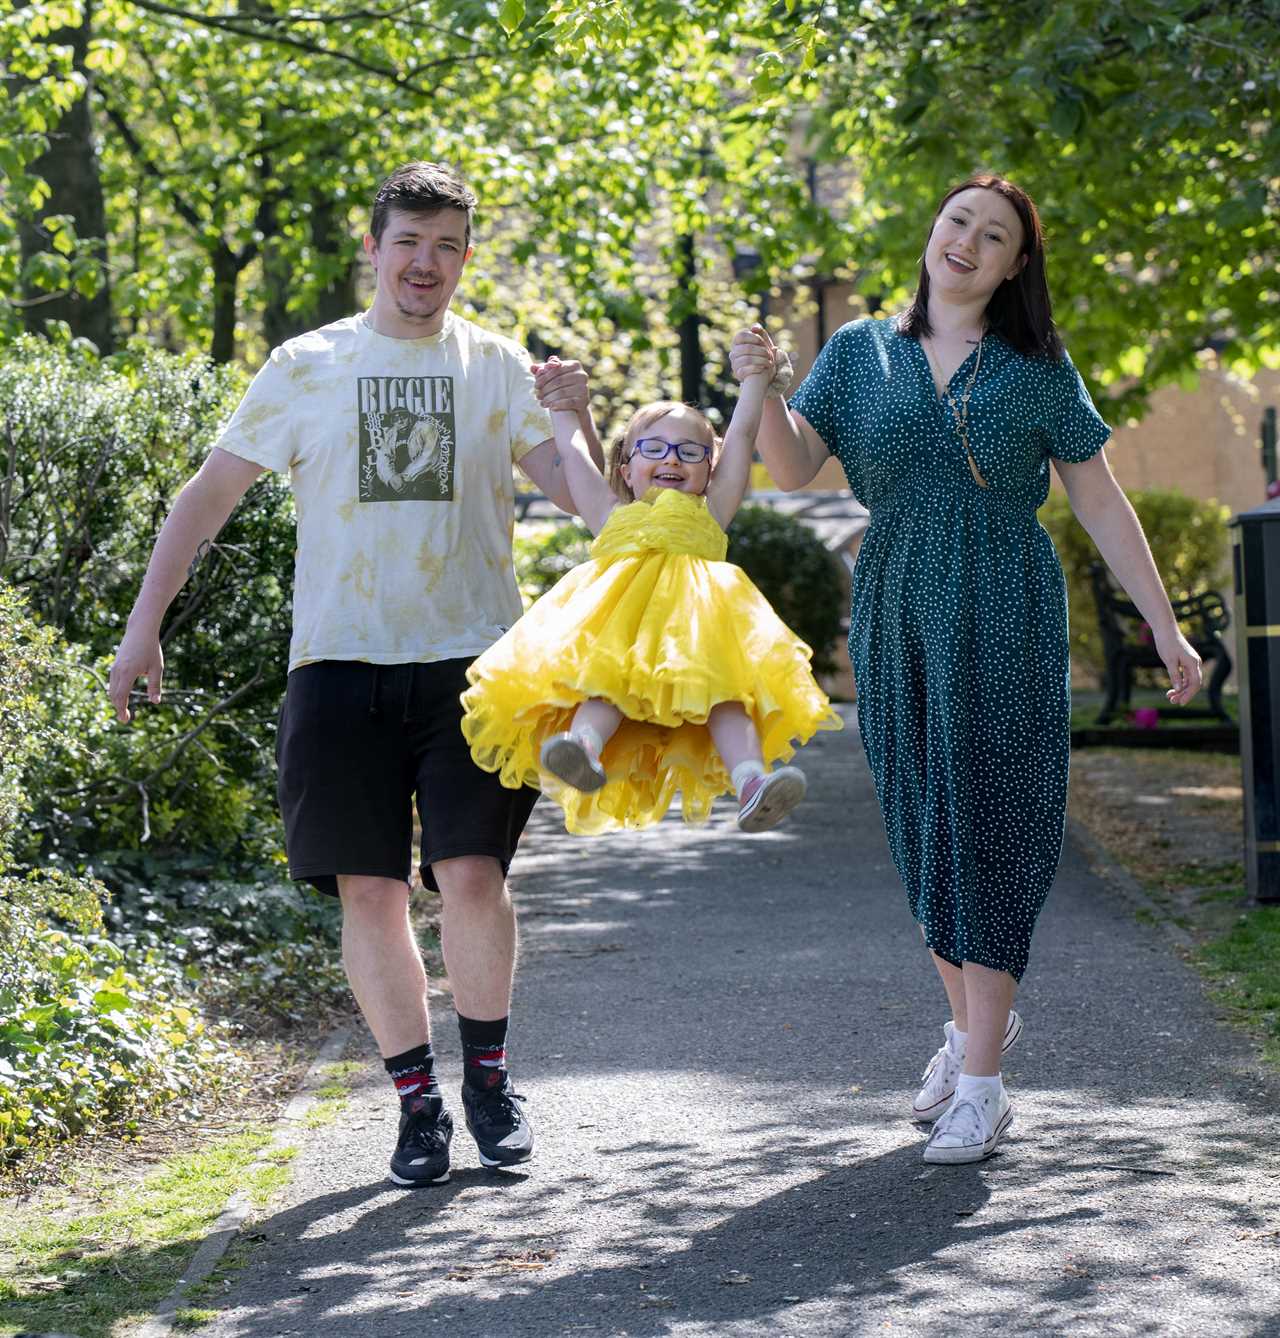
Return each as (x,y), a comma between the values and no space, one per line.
(659,624)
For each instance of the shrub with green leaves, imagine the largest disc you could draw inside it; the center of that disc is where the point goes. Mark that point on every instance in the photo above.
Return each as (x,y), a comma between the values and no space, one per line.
(169,782)
(25,653)
(97,451)
(1188,540)
(795,573)
(91,1032)
(266,945)
(543,553)
(783,557)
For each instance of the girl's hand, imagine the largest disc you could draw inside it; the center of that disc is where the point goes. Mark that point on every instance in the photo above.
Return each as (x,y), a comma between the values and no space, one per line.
(1182,664)
(561,385)
(752,354)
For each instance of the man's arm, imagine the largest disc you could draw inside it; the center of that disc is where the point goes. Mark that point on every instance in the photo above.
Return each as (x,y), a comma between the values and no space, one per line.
(545,470)
(199,512)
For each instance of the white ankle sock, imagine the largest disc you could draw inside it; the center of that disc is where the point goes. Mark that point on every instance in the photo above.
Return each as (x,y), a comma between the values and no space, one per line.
(589,735)
(974,1089)
(742,773)
(956,1040)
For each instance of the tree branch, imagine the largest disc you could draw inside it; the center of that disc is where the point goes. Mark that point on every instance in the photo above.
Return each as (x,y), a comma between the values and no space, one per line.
(254,32)
(181,207)
(129,786)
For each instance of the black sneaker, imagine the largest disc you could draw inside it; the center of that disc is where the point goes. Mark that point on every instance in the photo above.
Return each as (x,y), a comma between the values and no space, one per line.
(501,1129)
(422,1150)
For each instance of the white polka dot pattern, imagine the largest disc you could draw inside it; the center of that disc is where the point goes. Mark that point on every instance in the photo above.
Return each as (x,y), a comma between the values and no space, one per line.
(958,634)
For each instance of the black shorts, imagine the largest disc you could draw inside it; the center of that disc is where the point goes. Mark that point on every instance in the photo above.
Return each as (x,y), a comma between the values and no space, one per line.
(357,743)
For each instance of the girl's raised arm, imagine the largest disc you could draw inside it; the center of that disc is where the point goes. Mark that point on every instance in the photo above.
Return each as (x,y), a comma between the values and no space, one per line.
(790,448)
(593,499)
(733,469)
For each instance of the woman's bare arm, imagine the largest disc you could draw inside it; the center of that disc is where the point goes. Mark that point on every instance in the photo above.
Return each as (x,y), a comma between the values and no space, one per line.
(1104,511)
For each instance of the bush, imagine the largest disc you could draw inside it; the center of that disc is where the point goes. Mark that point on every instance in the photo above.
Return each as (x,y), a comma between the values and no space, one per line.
(789,564)
(25,653)
(1188,540)
(267,946)
(795,574)
(545,552)
(90,1032)
(170,782)
(98,449)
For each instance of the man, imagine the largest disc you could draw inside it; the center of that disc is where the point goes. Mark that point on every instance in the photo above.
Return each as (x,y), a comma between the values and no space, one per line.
(398,428)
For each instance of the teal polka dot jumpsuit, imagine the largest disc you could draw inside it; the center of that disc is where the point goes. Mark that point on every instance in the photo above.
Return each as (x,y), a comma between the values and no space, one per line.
(958,634)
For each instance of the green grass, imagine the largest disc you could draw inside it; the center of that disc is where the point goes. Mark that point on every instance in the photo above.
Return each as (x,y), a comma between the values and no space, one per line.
(89,1273)
(1086,704)
(332,1094)
(95,1271)
(1243,965)
(330,1098)
(193,1318)
(1208,875)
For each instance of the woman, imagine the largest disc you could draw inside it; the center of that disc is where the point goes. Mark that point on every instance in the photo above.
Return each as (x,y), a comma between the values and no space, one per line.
(946,419)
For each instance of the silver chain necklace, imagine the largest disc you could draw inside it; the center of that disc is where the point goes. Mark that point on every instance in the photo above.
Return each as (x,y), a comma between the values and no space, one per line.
(960,415)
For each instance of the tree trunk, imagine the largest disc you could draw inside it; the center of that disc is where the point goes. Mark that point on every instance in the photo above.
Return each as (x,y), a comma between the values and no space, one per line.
(70,167)
(226,276)
(692,363)
(331,242)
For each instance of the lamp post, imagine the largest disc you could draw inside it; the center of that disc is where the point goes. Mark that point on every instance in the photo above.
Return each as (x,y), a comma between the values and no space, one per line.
(1256,556)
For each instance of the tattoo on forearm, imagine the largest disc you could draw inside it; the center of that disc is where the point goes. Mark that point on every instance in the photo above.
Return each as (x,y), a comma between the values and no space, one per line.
(202,552)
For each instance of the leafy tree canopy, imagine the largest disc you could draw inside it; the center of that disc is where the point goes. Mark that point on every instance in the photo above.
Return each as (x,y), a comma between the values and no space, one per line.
(240,144)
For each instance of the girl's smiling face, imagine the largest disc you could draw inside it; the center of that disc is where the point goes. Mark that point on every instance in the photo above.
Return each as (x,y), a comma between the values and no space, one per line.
(640,473)
(975,245)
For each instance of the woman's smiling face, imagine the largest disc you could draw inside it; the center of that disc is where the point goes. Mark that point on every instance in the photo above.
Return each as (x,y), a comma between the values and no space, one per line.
(975,245)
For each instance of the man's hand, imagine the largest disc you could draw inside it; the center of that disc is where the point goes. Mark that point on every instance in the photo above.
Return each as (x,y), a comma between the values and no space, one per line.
(138,656)
(561,385)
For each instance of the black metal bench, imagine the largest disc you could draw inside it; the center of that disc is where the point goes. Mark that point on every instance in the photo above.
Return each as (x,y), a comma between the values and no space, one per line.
(1204,617)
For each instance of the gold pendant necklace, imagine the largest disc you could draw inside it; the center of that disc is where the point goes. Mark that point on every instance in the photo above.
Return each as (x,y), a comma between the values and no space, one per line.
(960,415)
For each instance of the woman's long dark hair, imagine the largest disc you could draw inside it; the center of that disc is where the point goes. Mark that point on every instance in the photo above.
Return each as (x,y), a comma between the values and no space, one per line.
(1019,310)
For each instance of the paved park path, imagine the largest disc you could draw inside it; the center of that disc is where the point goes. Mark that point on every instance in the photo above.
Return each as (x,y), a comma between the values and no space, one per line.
(719,1037)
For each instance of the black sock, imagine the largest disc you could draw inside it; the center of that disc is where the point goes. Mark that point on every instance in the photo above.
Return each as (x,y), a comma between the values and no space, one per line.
(484,1052)
(413,1073)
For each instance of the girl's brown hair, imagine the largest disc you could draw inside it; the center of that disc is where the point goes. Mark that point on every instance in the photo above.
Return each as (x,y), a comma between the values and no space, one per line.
(644,417)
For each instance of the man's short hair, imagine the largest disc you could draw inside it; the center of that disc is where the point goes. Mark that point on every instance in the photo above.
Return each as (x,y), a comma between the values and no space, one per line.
(421,188)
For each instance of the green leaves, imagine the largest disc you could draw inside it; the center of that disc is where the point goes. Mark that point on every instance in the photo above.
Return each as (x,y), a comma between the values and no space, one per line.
(1067,116)
(595,129)
(511,15)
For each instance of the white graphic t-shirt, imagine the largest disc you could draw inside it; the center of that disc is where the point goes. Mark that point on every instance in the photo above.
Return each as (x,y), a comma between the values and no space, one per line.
(399,453)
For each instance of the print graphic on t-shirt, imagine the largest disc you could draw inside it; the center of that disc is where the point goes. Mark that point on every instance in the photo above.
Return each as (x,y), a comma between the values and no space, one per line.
(407,444)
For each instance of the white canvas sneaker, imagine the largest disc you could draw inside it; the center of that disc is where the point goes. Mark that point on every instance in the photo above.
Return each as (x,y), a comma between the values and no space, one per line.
(939,1077)
(969,1129)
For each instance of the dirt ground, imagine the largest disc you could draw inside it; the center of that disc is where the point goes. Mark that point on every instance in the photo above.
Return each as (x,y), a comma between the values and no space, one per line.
(1173,819)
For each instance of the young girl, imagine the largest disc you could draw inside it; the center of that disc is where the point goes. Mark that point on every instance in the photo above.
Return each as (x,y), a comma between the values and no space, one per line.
(657,666)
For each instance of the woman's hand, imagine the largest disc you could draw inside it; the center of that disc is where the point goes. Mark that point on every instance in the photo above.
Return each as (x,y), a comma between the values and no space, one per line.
(752,353)
(1183,666)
